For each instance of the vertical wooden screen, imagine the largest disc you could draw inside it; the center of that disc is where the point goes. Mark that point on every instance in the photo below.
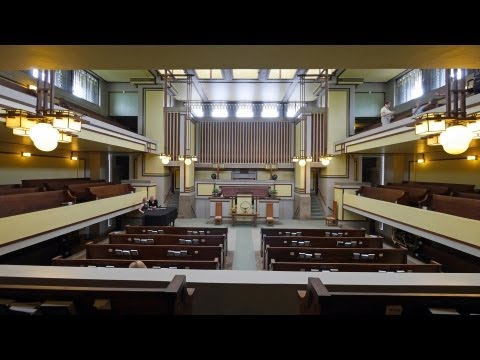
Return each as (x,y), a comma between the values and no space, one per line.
(244,142)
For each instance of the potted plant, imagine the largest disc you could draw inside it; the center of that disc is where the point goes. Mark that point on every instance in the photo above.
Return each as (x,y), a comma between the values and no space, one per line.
(273,193)
(215,192)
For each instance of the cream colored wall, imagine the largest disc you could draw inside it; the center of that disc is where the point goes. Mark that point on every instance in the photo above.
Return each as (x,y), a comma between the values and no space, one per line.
(345,215)
(447,171)
(395,168)
(95,165)
(299,170)
(338,167)
(338,117)
(190,169)
(281,175)
(154,128)
(207,174)
(177,178)
(14,168)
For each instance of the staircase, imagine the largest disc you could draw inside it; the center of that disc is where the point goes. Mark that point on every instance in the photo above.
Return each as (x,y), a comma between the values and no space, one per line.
(316,210)
(173,200)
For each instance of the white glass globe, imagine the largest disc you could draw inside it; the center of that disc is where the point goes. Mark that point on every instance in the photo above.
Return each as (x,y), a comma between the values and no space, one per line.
(188,161)
(325,162)
(456,139)
(302,162)
(44,136)
(45,145)
(42,131)
(165,160)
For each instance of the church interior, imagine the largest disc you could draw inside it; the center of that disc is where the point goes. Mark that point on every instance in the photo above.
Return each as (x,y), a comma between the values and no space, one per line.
(267,184)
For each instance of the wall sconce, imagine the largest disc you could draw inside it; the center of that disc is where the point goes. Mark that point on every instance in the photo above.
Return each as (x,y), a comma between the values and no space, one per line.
(421,160)
(26,154)
(74,156)
(472,157)
(325,160)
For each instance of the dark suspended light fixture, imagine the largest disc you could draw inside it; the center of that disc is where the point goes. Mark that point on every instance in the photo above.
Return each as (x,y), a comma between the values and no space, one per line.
(453,129)
(47,126)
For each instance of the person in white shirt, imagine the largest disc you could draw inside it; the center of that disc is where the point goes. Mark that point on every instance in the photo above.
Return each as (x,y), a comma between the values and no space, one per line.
(386,113)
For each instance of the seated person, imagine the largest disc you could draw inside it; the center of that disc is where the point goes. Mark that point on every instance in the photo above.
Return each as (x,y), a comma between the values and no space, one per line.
(144,205)
(153,202)
(432,104)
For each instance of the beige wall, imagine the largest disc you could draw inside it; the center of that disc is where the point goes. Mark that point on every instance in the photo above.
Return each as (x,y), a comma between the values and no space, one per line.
(448,171)
(338,116)
(15,168)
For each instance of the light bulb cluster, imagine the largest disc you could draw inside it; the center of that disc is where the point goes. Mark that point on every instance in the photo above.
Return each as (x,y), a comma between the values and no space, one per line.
(46,130)
(165,158)
(454,135)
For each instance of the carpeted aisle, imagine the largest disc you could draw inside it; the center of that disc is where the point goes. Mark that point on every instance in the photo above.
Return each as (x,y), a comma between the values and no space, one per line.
(244,256)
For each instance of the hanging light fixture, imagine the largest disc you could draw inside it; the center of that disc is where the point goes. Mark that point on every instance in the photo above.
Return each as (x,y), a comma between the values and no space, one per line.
(47,127)
(452,129)
(302,159)
(165,157)
(187,157)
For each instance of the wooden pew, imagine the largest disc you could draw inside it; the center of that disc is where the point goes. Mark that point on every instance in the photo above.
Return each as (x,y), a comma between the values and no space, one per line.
(10,186)
(36,201)
(326,242)
(386,300)
(390,195)
(348,267)
(434,189)
(41,182)
(121,297)
(334,255)
(103,192)
(119,263)
(415,196)
(61,185)
(168,239)
(453,187)
(14,191)
(312,232)
(308,232)
(80,190)
(468,195)
(458,206)
(185,230)
(154,252)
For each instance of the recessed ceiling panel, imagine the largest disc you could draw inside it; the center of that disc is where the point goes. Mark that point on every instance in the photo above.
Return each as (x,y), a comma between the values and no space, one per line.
(371,75)
(122,75)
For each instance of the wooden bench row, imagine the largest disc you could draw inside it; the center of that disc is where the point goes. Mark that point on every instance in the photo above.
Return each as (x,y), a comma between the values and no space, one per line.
(80,190)
(19,190)
(93,297)
(124,263)
(154,252)
(386,300)
(334,255)
(16,204)
(180,230)
(24,203)
(103,192)
(326,242)
(454,205)
(169,239)
(384,194)
(349,267)
(452,187)
(312,232)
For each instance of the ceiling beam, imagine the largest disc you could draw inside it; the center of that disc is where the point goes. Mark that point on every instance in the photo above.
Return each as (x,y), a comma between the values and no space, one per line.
(123,57)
